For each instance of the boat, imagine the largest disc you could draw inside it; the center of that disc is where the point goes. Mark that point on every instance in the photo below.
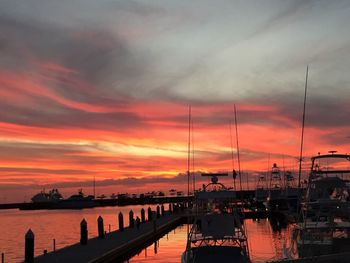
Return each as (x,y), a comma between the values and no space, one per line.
(276,200)
(261,193)
(325,224)
(77,201)
(54,200)
(217,233)
(53,196)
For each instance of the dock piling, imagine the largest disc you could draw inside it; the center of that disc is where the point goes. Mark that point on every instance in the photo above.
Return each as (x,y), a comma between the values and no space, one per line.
(170,210)
(162,210)
(138,222)
(131,219)
(158,211)
(29,247)
(2,258)
(149,214)
(83,232)
(143,217)
(101,232)
(54,245)
(121,221)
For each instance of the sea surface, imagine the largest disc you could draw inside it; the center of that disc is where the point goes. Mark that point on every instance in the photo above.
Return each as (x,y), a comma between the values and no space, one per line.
(265,240)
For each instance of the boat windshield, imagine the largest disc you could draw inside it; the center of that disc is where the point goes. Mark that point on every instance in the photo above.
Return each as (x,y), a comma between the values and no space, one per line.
(332,165)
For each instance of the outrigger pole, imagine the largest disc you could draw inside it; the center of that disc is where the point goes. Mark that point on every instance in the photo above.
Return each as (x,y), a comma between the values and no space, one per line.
(302,128)
(193,173)
(189,151)
(232,158)
(238,157)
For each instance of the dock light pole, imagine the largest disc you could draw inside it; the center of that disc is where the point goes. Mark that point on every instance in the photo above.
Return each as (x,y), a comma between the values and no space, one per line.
(29,247)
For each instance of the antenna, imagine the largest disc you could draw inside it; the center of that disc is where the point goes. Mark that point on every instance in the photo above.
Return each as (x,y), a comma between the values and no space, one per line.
(238,157)
(302,128)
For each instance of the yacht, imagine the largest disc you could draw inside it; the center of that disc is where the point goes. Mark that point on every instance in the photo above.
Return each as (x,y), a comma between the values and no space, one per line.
(218,232)
(325,222)
(77,201)
(53,196)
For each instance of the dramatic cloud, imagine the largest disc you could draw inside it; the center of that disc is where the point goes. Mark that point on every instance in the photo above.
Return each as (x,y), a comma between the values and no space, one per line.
(102,88)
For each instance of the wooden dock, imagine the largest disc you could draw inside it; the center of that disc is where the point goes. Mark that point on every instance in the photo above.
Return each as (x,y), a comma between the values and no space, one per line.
(115,246)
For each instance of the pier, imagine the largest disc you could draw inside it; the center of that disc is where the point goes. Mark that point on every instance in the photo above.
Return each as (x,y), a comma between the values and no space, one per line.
(123,243)
(117,245)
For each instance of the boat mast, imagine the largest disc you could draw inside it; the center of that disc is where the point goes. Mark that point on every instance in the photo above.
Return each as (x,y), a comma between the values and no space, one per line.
(302,128)
(189,151)
(238,157)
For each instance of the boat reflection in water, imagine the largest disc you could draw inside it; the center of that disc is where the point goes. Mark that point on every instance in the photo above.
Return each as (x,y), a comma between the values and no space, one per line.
(217,233)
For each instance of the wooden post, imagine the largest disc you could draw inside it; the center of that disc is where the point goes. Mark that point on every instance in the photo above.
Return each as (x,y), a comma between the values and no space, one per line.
(138,222)
(149,214)
(83,232)
(158,211)
(121,221)
(29,247)
(170,210)
(162,210)
(54,245)
(143,217)
(109,228)
(2,258)
(131,219)
(101,232)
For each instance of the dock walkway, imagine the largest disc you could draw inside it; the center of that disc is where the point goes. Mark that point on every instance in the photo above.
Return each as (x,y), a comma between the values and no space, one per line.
(115,246)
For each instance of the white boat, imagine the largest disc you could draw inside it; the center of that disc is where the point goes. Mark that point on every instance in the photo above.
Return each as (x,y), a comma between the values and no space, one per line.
(325,225)
(217,233)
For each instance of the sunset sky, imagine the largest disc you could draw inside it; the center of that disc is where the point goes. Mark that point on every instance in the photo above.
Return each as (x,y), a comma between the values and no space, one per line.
(102,88)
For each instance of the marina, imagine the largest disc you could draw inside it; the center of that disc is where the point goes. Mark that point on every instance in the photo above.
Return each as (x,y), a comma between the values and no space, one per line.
(179,131)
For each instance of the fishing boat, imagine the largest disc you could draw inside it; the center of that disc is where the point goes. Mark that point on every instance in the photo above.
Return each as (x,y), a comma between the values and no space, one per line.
(261,193)
(217,233)
(276,199)
(325,225)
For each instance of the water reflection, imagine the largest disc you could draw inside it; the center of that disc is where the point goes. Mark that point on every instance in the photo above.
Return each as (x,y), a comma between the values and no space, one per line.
(266,240)
(47,225)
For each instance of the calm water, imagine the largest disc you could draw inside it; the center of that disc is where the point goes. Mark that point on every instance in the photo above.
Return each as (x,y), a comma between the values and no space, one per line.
(265,242)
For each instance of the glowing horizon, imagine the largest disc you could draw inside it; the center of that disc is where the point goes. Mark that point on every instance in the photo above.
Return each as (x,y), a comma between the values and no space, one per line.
(103,90)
